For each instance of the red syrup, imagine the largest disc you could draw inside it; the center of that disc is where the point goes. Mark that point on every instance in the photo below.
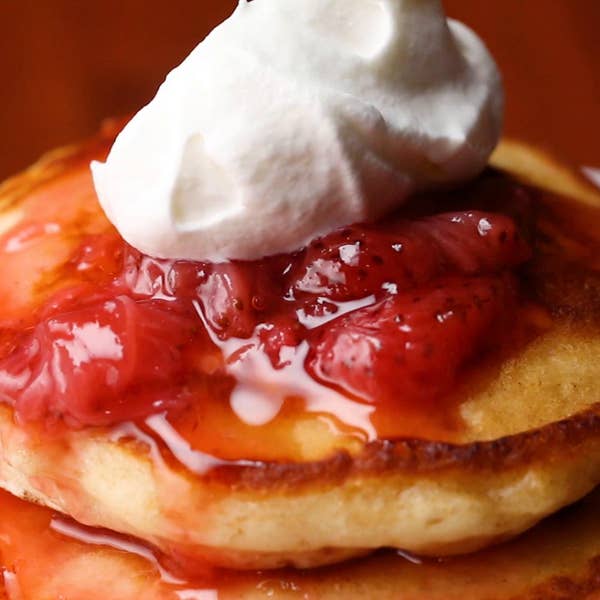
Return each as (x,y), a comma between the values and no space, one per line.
(367,329)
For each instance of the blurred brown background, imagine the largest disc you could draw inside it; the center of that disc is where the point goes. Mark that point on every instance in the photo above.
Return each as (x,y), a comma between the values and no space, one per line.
(66,64)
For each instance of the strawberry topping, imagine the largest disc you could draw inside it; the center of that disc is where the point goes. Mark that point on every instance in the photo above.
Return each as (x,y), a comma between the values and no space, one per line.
(412,345)
(388,312)
(365,259)
(113,360)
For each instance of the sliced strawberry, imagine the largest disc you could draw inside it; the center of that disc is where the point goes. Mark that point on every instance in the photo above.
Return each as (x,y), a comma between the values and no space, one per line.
(411,346)
(365,259)
(237,296)
(357,261)
(227,296)
(475,242)
(114,360)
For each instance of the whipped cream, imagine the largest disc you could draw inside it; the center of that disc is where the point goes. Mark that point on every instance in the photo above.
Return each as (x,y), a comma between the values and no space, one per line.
(296,117)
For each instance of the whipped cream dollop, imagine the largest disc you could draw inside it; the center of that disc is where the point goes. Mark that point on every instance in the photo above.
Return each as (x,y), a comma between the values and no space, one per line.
(294,117)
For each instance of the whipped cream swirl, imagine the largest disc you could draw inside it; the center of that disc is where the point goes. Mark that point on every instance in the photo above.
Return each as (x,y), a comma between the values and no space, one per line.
(294,117)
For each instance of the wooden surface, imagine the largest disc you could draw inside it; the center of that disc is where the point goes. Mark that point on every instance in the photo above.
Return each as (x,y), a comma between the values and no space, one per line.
(66,64)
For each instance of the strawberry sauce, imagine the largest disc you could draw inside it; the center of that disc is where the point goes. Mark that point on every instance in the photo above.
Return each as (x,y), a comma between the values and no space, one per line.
(367,330)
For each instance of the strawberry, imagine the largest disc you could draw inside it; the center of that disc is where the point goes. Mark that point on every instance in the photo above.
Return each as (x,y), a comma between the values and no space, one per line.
(234,296)
(474,242)
(357,261)
(111,361)
(367,259)
(230,295)
(237,296)
(411,345)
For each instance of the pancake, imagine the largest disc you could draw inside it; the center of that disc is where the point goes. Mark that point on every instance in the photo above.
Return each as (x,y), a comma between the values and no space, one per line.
(314,492)
(557,560)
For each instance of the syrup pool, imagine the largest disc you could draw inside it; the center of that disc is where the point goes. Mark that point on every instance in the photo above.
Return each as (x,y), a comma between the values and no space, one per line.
(364,334)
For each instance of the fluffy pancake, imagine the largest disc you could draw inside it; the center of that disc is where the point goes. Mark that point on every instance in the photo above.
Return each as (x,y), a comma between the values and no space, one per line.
(559,560)
(529,444)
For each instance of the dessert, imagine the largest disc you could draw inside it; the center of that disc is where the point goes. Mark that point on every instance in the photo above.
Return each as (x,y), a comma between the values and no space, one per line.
(423,382)
(556,559)
(316,475)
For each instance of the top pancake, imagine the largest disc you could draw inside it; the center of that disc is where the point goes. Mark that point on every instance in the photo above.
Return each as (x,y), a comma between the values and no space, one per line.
(529,444)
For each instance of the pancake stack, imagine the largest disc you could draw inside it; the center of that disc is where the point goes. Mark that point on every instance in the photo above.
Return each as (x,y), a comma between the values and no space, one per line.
(528,446)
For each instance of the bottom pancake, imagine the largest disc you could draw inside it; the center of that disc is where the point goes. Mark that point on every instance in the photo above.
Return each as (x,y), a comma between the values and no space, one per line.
(558,560)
